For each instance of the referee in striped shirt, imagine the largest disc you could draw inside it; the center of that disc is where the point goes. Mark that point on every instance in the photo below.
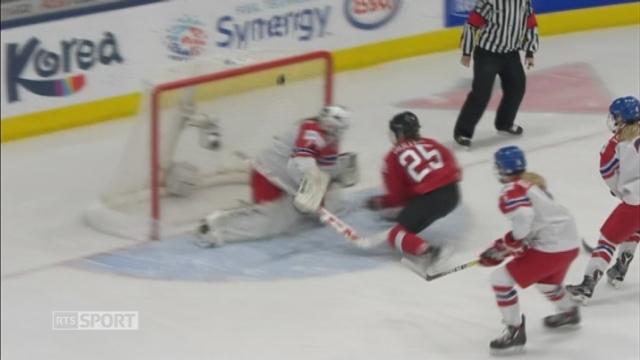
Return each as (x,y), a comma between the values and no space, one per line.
(496,32)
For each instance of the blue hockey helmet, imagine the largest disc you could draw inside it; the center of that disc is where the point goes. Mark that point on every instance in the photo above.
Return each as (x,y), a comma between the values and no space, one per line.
(625,109)
(510,160)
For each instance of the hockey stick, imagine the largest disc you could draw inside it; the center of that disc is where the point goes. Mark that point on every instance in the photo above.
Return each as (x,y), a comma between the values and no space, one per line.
(325,216)
(430,277)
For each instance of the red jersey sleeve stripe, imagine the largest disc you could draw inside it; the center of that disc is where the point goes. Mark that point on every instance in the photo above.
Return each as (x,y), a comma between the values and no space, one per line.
(532,21)
(303,152)
(476,20)
(512,204)
(609,169)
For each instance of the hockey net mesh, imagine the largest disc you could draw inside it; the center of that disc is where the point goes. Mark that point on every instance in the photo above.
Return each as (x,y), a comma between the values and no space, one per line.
(251,98)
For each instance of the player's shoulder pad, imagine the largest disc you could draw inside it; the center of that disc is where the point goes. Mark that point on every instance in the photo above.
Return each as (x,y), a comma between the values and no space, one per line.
(311,134)
(433,143)
(310,124)
(514,195)
(390,156)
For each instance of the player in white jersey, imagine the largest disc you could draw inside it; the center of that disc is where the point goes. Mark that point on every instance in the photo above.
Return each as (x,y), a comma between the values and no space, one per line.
(306,159)
(543,242)
(620,169)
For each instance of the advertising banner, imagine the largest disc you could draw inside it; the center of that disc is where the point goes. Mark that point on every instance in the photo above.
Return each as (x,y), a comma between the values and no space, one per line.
(61,63)
(19,9)
(28,12)
(457,11)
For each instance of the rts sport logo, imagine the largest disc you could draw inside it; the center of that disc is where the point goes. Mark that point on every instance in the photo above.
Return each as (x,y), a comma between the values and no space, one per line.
(370,14)
(49,73)
(186,39)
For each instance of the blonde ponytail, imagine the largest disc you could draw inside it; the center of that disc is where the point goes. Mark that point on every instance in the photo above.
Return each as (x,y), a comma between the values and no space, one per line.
(534,178)
(629,132)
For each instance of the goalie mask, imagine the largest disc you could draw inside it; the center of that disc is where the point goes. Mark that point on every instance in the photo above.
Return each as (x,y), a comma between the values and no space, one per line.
(334,119)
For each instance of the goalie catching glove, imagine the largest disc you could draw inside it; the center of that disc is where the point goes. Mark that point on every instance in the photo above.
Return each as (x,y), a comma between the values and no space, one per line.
(311,191)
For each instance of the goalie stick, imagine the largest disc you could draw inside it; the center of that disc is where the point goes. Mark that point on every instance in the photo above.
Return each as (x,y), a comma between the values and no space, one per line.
(430,277)
(325,216)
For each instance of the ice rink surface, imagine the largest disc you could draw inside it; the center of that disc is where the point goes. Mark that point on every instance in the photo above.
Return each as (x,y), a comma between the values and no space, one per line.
(313,296)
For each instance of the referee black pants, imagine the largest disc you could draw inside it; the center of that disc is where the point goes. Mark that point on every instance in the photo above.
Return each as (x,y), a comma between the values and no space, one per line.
(486,65)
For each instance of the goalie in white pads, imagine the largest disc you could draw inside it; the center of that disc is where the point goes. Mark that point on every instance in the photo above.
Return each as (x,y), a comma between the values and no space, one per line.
(288,182)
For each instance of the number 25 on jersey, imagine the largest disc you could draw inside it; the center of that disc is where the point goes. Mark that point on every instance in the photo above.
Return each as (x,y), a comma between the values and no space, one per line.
(419,160)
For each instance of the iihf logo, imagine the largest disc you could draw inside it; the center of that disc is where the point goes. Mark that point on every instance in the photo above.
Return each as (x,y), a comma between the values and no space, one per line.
(186,39)
(33,60)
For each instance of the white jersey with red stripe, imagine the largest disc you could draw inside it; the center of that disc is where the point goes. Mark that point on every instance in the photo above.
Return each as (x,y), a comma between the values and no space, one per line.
(285,158)
(620,168)
(537,219)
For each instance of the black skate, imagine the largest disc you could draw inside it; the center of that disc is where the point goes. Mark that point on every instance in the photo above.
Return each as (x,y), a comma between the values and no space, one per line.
(583,292)
(616,273)
(463,141)
(512,340)
(513,130)
(571,317)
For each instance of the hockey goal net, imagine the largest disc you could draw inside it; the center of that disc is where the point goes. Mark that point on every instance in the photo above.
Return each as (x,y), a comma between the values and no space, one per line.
(198,123)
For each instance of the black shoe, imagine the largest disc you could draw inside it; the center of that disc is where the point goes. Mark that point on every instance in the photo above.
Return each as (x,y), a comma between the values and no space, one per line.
(571,317)
(513,130)
(513,338)
(584,291)
(616,273)
(462,141)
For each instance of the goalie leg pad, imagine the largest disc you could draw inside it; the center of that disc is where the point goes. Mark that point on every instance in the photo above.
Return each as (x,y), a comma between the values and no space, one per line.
(207,232)
(253,222)
(311,191)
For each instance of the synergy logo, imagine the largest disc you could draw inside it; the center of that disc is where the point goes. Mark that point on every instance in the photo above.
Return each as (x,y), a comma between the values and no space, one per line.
(54,68)
(301,24)
(370,14)
(186,39)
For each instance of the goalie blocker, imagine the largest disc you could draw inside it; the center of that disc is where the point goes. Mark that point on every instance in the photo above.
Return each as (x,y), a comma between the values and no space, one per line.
(314,184)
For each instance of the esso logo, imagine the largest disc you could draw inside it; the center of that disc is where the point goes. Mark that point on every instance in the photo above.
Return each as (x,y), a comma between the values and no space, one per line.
(370,14)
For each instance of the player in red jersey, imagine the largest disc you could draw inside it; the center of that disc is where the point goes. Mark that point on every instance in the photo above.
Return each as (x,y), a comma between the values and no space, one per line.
(421,177)
(620,169)
(305,159)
